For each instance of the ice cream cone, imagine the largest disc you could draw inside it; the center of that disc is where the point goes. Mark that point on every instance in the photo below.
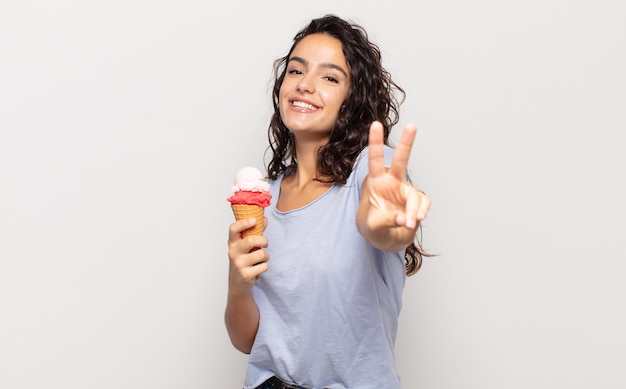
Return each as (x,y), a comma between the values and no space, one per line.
(246,211)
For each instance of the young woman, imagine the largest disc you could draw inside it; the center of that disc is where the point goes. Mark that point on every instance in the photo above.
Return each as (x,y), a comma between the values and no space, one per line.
(317,305)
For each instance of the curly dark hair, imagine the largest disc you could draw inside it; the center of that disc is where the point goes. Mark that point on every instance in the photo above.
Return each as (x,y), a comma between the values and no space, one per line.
(373,96)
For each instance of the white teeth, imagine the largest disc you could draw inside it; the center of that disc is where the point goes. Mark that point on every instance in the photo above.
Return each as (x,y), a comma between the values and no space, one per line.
(302,104)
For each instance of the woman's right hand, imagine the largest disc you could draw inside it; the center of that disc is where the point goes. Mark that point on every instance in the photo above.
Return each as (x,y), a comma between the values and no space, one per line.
(247,257)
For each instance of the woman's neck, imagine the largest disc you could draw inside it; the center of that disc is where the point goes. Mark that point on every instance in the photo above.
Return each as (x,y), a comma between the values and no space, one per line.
(306,169)
(300,188)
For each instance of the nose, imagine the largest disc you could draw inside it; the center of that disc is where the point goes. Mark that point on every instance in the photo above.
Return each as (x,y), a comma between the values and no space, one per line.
(306,84)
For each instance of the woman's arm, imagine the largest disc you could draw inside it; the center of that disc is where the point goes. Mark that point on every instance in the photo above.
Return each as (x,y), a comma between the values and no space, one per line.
(242,314)
(242,321)
(390,209)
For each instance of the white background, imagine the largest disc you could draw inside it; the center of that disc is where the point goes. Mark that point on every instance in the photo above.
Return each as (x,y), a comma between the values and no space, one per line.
(122,124)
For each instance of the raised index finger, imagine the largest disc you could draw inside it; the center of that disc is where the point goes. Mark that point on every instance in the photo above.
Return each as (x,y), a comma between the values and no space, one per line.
(401,156)
(376,159)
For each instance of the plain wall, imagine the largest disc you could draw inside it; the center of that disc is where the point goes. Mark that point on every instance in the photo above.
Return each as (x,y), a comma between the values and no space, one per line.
(122,124)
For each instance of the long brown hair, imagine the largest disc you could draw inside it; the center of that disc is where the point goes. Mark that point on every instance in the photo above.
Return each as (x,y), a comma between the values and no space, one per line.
(373,96)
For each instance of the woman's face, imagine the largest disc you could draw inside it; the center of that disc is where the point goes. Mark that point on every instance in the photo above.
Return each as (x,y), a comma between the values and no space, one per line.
(316,83)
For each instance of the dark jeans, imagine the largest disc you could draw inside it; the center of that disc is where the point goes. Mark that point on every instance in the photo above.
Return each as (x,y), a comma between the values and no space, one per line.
(276,383)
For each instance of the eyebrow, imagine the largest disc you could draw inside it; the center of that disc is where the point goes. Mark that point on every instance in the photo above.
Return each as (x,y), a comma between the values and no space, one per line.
(327,65)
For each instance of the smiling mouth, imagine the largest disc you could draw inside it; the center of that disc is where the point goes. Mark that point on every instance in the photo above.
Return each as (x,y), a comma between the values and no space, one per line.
(302,104)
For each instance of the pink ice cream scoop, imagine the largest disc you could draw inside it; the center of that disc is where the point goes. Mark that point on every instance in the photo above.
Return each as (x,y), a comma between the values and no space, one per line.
(250,188)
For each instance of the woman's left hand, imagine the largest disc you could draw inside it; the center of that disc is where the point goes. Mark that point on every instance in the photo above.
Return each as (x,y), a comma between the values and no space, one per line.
(391,208)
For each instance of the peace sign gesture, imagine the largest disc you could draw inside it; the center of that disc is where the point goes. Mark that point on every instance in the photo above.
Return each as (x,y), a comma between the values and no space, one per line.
(391,208)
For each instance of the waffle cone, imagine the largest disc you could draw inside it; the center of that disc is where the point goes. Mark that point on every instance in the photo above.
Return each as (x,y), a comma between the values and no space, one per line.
(245,211)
